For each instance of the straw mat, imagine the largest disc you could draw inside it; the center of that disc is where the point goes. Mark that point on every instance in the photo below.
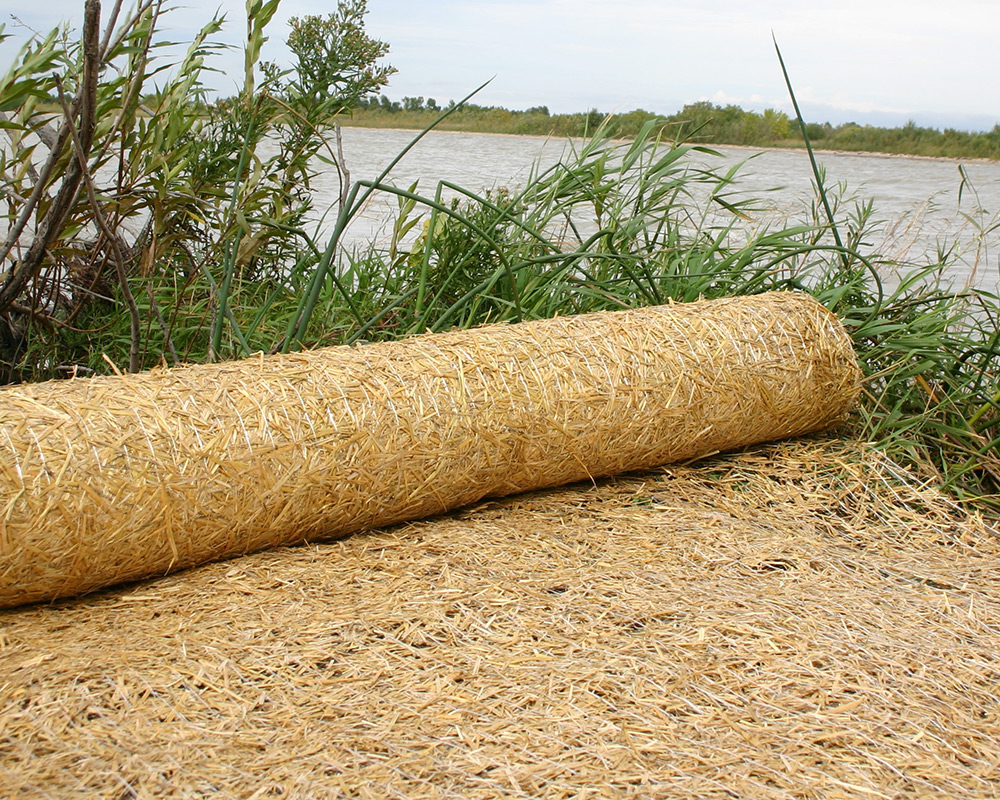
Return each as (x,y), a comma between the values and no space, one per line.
(801,620)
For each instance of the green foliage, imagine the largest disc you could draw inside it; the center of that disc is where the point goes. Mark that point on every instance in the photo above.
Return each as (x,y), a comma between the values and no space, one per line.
(911,139)
(186,237)
(186,212)
(335,60)
(701,122)
(931,357)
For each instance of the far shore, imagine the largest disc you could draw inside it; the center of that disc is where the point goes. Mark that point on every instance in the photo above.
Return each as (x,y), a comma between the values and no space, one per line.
(866,153)
(720,146)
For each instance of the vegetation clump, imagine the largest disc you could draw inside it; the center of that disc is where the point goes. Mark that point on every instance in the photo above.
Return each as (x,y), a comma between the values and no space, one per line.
(148,224)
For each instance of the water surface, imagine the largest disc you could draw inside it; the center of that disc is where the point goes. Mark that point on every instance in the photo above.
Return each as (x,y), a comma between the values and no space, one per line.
(917,200)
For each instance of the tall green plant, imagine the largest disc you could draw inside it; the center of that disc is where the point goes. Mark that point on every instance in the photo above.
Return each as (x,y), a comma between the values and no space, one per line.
(931,355)
(143,195)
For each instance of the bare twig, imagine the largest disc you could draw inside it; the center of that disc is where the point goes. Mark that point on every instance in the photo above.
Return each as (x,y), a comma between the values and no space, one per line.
(48,135)
(344,173)
(36,194)
(110,44)
(162,322)
(64,199)
(109,28)
(102,223)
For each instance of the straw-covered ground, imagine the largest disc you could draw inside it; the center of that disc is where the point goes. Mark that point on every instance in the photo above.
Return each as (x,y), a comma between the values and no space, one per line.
(801,620)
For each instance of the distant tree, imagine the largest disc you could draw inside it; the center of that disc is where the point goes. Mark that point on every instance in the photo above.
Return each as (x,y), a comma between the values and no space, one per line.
(335,67)
(693,119)
(413,103)
(816,131)
(335,60)
(432,104)
(778,124)
(629,123)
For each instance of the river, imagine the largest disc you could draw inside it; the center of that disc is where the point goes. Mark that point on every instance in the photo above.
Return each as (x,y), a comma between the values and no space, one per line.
(916,199)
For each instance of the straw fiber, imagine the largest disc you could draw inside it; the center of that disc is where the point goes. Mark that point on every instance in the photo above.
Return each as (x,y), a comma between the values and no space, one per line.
(801,620)
(119,478)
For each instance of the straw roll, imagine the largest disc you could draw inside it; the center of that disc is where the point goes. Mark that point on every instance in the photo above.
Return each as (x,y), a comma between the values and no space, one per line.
(117,478)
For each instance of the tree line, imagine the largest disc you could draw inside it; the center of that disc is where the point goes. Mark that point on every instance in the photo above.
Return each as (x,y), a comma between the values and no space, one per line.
(702,122)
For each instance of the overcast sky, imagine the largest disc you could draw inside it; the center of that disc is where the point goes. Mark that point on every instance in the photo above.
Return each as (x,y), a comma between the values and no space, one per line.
(877,61)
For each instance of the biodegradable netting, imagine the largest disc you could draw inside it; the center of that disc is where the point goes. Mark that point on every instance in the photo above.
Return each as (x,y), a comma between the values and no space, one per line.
(118,478)
(801,620)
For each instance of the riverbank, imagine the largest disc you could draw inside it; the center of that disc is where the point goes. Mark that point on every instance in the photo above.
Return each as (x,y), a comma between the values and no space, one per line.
(347,122)
(700,123)
(860,153)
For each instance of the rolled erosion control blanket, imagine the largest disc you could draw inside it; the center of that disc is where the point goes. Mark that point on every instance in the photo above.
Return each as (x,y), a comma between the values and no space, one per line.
(117,478)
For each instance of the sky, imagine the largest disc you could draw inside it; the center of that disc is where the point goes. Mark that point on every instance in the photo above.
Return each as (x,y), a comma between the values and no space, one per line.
(878,62)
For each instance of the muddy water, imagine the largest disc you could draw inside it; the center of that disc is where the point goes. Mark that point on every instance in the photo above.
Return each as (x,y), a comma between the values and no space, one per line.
(917,201)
